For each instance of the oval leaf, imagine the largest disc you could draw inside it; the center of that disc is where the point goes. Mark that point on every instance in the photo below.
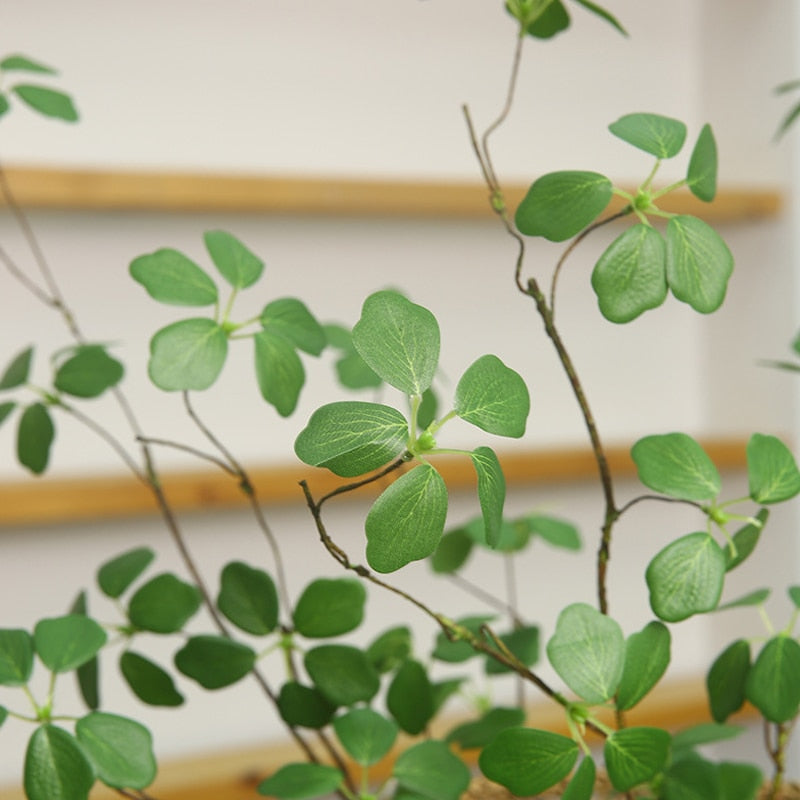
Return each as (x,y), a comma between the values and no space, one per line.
(771,469)
(491,492)
(330,607)
(248,598)
(236,263)
(116,575)
(472,735)
(16,657)
(523,642)
(581,785)
(745,541)
(727,679)
(411,681)
(35,434)
(49,102)
(342,673)
(304,706)
(702,173)
(772,685)
(366,735)
(214,662)
(289,317)
(170,277)
(164,604)
(635,755)
(64,643)
(279,371)
(89,372)
(390,649)
(149,682)
(647,656)
(660,136)
(17,372)
(432,771)
(452,551)
(301,781)
(187,355)
(56,767)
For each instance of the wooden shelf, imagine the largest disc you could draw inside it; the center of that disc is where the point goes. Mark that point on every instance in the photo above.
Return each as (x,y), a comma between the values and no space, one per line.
(141,190)
(46,500)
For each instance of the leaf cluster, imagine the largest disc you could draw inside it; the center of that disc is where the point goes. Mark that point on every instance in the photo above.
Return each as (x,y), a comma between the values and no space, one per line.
(43,100)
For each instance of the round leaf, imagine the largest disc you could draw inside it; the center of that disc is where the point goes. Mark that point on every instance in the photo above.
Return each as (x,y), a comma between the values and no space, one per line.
(366,735)
(702,174)
(491,492)
(56,767)
(432,771)
(630,276)
(49,102)
(116,575)
(660,136)
(301,781)
(248,598)
(635,755)
(214,661)
(452,552)
(304,706)
(279,371)
(289,317)
(64,643)
(771,469)
(342,673)
(89,372)
(170,277)
(35,434)
(772,685)
(406,522)
(647,656)
(149,682)
(16,657)
(164,604)
(560,205)
(727,679)
(236,263)
(693,777)
(739,780)
(390,649)
(411,681)
(472,735)
(330,607)
(187,355)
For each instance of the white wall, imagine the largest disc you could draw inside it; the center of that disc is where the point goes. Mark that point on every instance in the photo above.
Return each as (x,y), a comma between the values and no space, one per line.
(275,87)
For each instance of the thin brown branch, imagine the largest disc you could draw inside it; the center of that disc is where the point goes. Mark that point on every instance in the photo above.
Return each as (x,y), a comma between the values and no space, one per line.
(185,448)
(351,487)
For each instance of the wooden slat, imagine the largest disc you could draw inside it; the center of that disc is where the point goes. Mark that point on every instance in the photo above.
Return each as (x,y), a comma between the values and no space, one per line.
(200,192)
(48,500)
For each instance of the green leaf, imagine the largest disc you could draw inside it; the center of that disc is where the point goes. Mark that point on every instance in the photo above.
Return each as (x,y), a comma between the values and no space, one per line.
(64,643)
(581,785)
(148,681)
(699,263)
(24,64)
(88,673)
(635,755)
(603,14)
(727,679)
(553,19)
(587,650)
(794,595)
(35,434)
(630,277)
(771,469)
(523,642)
(772,685)
(428,409)
(480,732)
(279,371)
(444,690)
(236,263)
(686,577)
(330,607)
(49,102)
(739,781)
(458,651)
(350,438)
(3,715)
(164,604)
(289,317)
(452,551)
(390,649)
(399,340)
(554,531)
(491,491)
(301,781)
(406,522)
(351,369)
(304,706)
(676,465)
(16,657)
(214,661)
(528,761)
(116,575)
(89,372)
(660,136)
(4,104)
(704,733)
(493,397)
(120,749)
(248,598)
(560,205)
(754,598)
(432,771)
(745,541)
(342,673)
(56,767)
(366,735)
(17,372)
(647,656)
(6,409)
(170,277)
(702,173)
(187,355)
(411,681)
(693,778)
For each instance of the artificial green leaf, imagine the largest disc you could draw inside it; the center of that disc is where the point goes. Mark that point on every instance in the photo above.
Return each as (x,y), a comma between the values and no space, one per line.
(290,318)
(771,469)
(739,781)
(457,650)
(89,372)
(727,679)
(772,685)
(794,595)
(647,656)
(431,770)
(170,277)
(560,205)
(88,673)
(491,491)
(676,465)
(301,782)
(351,438)
(478,733)
(4,104)
(148,681)
(699,263)
(754,598)
(17,372)
(64,643)
(164,604)
(236,263)
(528,761)
(49,102)
(3,715)
(587,650)
(35,434)
(493,397)
(6,409)
(390,649)
(693,778)
(366,735)
(452,552)
(120,750)
(16,657)
(523,642)
(56,767)
(702,173)
(342,673)
(279,371)
(411,681)
(581,784)
(399,340)
(24,64)
(187,355)
(553,19)
(554,531)
(603,14)
(444,690)
(352,371)
(304,706)
(406,522)
(635,755)
(514,536)
(248,598)
(428,408)
(745,541)
(330,607)
(702,734)
(660,136)
(630,277)
(116,575)
(686,577)
(214,661)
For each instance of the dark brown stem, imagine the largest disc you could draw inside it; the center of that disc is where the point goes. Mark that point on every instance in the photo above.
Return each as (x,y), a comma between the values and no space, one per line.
(351,487)
(777,754)
(659,498)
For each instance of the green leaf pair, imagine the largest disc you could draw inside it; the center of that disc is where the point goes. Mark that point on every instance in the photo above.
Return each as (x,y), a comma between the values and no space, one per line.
(543,19)
(42,99)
